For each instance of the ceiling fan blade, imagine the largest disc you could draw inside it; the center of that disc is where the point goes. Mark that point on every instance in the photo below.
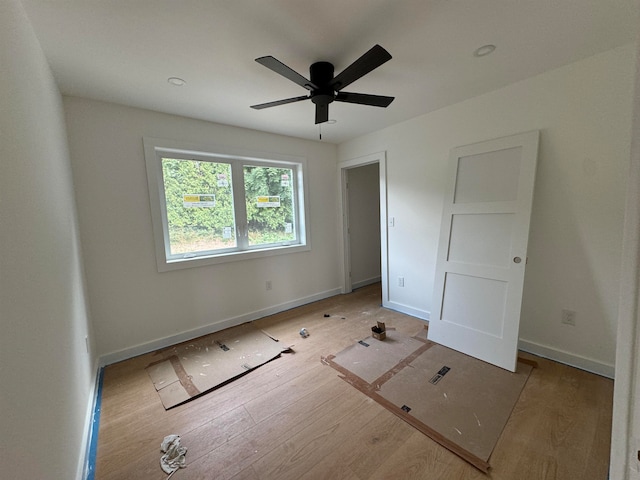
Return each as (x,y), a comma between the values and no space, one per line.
(280,68)
(364,99)
(366,63)
(322,113)
(279,102)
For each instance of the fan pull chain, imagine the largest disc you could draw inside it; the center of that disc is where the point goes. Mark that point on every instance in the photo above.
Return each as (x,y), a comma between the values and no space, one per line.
(320,130)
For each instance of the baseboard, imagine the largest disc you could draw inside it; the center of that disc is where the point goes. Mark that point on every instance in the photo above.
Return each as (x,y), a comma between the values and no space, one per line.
(143,348)
(406,309)
(583,363)
(364,283)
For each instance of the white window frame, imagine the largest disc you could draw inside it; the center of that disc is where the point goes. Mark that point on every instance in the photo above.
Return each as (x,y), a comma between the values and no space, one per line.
(157,148)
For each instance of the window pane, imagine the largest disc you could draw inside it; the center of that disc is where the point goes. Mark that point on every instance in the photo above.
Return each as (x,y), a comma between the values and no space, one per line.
(199,202)
(270,205)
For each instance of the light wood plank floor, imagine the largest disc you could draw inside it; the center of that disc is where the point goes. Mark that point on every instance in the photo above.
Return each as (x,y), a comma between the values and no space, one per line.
(293,418)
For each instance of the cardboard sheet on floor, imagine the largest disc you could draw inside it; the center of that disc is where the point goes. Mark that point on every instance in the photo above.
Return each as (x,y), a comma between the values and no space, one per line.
(192,368)
(459,401)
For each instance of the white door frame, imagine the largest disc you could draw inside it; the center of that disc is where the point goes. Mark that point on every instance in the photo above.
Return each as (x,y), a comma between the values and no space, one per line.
(625,437)
(381,159)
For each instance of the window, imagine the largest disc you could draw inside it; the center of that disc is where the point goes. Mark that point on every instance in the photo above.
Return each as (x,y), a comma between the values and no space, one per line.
(216,206)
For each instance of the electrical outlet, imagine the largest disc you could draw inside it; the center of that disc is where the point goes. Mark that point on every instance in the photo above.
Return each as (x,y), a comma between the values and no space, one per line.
(401,281)
(268,284)
(569,317)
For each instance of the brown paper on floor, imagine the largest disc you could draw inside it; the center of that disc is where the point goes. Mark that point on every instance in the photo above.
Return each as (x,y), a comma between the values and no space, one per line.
(193,368)
(459,401)
(370,358)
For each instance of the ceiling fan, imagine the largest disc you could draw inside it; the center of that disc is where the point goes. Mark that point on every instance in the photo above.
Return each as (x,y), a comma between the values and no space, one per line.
(325,88)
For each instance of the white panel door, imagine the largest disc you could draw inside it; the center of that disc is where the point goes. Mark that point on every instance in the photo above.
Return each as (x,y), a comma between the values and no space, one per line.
(483,248)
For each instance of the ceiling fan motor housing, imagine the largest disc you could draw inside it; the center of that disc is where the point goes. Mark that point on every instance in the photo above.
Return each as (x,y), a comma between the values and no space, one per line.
(321,74)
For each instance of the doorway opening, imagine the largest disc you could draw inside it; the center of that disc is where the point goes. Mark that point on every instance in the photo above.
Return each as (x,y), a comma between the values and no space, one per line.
(364,213)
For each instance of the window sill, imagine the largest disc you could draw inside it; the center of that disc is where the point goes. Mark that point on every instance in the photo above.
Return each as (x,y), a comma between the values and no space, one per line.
(201,261)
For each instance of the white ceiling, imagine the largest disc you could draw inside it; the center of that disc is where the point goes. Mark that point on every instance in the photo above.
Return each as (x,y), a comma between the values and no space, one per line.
(124,51)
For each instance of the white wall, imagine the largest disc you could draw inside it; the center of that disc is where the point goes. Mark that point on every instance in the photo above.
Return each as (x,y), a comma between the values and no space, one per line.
(583,111)
(135,308)
(46,374)
(364,223)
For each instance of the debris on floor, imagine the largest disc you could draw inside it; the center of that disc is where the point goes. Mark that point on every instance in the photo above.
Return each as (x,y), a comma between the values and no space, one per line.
(174,453)
(379,331)
(304,333)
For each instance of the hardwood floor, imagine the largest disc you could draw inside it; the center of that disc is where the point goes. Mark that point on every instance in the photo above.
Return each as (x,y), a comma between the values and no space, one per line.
(293,418)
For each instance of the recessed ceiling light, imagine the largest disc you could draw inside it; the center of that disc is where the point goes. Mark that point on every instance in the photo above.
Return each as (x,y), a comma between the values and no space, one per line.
(176,82)
(484,50)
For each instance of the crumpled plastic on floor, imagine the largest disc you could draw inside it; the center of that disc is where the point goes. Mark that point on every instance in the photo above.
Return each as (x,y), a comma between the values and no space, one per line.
(173,458)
